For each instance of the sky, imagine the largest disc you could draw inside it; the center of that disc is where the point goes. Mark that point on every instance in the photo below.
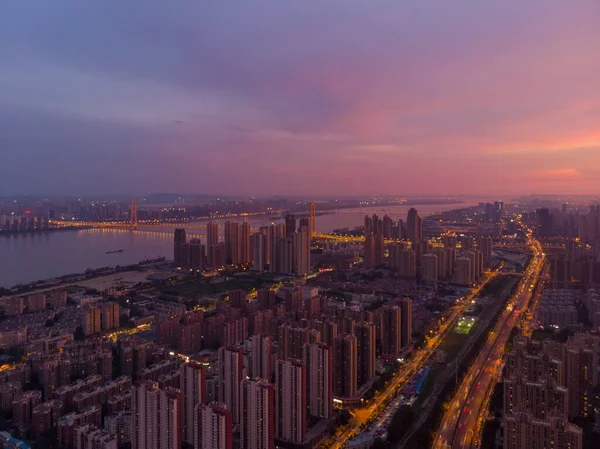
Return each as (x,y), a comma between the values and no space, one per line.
(311,97)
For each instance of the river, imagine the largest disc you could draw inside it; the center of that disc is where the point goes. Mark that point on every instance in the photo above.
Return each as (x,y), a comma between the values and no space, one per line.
(30,257)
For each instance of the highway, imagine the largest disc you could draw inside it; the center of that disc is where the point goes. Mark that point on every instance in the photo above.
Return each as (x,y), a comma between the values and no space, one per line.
(420,357)
(461,424)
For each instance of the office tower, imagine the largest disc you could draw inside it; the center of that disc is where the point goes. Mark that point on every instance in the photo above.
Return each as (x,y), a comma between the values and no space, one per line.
(414,226)
(193,393)
(313,219)
(214,426)
(302,244)
(391,333)
(407,263)
(262,365)
(290,225)
(345,367)
(179,240)
(156,417)
(318,358)
(484,244)
(463,271)
(257,429)
(406,315)
(368,226)
(197,254)
(365,333)
(387,225)
(91,320)
(429,267)
(231,365)
(290,401)
(212,234)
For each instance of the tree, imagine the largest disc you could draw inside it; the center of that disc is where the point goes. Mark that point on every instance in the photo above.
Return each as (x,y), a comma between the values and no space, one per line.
(401,421)
(345,417)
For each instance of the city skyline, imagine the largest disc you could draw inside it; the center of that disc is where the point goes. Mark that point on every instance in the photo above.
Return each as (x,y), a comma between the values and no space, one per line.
(411,98)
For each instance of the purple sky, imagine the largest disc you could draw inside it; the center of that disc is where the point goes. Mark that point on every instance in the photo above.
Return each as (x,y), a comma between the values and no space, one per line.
(304,97)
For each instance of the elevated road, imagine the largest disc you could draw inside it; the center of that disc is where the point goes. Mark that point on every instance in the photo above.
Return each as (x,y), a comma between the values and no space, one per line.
(420,357)
(461,423)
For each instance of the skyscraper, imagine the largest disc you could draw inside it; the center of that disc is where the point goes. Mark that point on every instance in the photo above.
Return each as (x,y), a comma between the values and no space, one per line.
(231,364)
(391,334)
(156,416)
(193,393)
(179,240)
(365,333)
(387,225)
(302,245)
(318,358)
(244,242)
(290,225)
(231,242)
(345,369)
(406,315)
(212,233)
(257,429)
(414,226)
(313,219)
(262,366)
(429,267)
(91,320)
(214,428)
(290,401)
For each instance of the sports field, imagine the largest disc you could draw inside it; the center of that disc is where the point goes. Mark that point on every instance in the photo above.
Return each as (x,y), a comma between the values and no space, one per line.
(465,325)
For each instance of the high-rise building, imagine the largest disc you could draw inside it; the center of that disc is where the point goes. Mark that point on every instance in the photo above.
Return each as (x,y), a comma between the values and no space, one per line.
(484,244)
(179,240)
(365,333)
(292,339)
(318,358)
(387,226)
(290,225)
(407,263)
(276,235)
(212,233)
(259,249)
(257,429)
(429,267)
(545,225)
(156,417)
(406,315)
(414,226)
(313,219)
(290,401)
(464,274)
(214,426)
(391,334)
(231,365)
(109,316)
(302,243)
(197,251)
(368,226)
(244,241)
(261,356)
(345,367)
(193,393)
(91,320)
(523,431)
(232,244)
